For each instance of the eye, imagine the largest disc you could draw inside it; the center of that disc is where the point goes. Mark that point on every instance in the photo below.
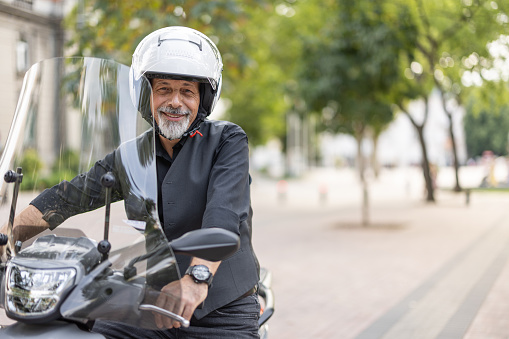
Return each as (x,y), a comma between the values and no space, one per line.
(162,90)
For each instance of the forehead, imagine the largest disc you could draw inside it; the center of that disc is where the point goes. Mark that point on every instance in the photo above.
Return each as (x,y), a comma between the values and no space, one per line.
(174,83)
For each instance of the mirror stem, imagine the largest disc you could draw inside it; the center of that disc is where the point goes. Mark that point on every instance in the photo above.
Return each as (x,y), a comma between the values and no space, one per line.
(107,180)
(16,178)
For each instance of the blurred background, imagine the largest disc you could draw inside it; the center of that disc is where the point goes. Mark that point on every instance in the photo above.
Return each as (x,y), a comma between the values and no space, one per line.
(365,85)
(370,114)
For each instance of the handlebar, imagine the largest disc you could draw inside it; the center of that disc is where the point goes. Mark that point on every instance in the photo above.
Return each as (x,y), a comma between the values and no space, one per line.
(162,311)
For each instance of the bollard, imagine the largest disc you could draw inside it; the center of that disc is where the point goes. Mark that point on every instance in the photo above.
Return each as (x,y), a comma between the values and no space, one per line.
(282,187)
(323,192)
(467,196)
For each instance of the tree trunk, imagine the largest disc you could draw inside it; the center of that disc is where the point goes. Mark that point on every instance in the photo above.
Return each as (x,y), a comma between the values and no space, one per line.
(374,160)
(361,167)
(457,187)
(430,191)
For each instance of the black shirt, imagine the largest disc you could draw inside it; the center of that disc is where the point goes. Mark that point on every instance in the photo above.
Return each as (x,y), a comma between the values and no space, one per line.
(66,199)
(164,161)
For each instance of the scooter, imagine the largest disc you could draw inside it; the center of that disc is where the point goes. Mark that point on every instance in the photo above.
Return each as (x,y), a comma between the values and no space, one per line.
(103,265)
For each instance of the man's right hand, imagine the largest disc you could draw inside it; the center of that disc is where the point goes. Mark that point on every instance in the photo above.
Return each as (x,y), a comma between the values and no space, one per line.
(5,253)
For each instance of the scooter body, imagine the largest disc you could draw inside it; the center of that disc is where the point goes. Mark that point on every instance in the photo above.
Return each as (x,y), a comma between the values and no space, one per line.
(54,329)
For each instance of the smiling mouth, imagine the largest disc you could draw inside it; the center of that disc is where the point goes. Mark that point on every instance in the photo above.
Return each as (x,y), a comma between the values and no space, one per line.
(173,115)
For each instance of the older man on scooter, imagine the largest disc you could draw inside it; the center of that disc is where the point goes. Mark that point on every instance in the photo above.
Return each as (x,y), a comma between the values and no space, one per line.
(203,182)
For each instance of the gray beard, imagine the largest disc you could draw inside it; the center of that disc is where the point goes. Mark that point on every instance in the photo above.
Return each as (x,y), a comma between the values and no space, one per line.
(173,129)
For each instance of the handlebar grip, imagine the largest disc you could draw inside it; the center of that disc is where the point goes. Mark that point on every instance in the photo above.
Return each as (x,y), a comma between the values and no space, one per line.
(4,239)
(153,308)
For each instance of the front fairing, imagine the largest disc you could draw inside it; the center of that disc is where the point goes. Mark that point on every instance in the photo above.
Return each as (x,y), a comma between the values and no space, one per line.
(72,114)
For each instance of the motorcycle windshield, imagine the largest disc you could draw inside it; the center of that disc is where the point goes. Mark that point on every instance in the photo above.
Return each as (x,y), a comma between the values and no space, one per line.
(76,121)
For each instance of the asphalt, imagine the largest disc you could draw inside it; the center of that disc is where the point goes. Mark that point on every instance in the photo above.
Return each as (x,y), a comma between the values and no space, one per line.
(418,270)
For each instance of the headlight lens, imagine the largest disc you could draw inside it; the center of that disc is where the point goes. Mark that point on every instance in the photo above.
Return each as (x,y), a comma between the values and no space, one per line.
(35,292)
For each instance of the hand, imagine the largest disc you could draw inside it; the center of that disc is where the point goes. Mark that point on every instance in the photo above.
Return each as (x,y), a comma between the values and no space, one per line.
(5,250)
(190,294)
(4,254)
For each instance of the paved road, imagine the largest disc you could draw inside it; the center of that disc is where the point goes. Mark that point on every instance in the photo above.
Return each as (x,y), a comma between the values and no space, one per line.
(419,270)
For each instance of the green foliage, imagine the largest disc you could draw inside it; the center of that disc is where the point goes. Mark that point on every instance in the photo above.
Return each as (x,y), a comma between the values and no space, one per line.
(487,131)
(268,87)
(112,29)
(66,167)
(68,160)
(55,178)
(31,164)
(352,70)
(487,128)
(257,91)
(353,58)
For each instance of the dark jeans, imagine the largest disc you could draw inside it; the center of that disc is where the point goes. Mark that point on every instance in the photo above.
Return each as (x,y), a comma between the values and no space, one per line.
(238,319)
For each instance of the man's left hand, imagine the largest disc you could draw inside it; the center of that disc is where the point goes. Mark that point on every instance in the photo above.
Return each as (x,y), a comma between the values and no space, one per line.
(191,295)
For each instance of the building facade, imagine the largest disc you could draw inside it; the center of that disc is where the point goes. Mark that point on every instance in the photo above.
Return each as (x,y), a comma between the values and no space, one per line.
(30,31)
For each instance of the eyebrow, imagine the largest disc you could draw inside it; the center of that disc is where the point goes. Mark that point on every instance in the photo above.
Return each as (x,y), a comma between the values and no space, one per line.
(167,82)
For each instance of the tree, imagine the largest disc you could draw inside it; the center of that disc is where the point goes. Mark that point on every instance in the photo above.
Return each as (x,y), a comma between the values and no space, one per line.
(268,89)
(452,38)
(414,85)
(351,70)
(257,95)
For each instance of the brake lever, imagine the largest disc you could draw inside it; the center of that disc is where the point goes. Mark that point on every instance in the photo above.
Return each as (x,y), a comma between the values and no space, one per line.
(166,313)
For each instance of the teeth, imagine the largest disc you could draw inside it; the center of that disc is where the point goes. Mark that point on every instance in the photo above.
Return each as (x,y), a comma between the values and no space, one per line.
(172,114)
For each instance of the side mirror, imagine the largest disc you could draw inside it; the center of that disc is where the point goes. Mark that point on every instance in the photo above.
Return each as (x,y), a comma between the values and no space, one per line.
(213,244)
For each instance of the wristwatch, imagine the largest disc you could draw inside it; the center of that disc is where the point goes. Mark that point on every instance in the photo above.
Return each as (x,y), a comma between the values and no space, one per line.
(200,274)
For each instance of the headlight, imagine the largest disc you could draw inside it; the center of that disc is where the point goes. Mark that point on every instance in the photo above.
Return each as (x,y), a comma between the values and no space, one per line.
(35,292)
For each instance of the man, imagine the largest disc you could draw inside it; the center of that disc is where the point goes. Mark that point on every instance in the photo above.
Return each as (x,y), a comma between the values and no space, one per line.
(203,182)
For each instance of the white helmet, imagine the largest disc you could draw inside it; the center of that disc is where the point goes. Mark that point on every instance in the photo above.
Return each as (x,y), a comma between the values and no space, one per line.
(177,53)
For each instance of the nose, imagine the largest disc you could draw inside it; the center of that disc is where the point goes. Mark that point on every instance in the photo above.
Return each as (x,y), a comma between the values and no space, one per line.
(174,100)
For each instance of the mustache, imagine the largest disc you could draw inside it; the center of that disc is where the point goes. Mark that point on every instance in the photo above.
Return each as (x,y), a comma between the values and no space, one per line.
(170,110)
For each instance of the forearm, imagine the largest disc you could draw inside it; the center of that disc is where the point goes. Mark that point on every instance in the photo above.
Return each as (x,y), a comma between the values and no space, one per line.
(31,222)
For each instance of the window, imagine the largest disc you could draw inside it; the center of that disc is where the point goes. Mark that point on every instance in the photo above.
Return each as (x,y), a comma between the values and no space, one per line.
(25,4)
(22,56)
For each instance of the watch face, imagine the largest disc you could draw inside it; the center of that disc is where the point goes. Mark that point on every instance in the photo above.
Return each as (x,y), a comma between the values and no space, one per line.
(201,272)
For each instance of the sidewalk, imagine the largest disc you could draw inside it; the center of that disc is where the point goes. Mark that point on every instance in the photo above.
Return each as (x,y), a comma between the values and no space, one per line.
(419,270)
